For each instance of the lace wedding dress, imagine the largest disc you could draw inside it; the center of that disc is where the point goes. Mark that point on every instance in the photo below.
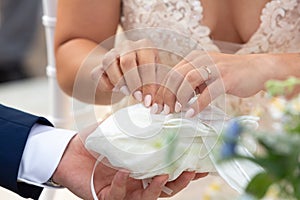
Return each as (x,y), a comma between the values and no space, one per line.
(278,32)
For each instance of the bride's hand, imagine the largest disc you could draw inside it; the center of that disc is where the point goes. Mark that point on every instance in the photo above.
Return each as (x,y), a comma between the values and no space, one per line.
(129,69)
(211,75)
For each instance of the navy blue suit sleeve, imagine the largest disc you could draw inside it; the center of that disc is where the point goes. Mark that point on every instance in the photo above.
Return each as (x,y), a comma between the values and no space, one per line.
(15,126)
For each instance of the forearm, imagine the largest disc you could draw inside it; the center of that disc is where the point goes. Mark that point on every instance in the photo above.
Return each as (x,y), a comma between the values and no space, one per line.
(80,28)
(282,66)
(75,60)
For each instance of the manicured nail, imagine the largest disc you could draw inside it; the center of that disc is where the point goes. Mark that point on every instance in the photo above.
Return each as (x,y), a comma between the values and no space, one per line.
(124,89)
(178,107)
(138,95)
(160,108)
(154,108)
(189,113)
(166,109)
(192,100)
(147,100)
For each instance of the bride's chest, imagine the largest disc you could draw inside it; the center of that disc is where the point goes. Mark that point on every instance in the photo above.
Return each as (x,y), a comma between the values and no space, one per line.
(226,20)
(232,20)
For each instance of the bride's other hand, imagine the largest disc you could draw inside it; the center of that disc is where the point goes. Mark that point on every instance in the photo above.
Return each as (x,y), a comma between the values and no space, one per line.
(130,69)
(210,76)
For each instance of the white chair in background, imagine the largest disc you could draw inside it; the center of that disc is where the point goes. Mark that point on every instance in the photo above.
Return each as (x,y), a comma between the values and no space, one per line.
(60,103)
(60,112)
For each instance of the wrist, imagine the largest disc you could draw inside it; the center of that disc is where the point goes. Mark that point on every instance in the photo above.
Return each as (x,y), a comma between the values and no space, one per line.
(61,169)
(281,66)
(65,171)
(267,67)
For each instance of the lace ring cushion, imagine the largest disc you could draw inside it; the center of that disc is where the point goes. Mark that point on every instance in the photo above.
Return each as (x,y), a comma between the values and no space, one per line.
(279,30)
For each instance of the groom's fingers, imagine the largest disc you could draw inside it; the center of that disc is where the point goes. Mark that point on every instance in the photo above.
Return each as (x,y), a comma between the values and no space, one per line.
(200,175)
(180,183)
(153,191)
(118,186)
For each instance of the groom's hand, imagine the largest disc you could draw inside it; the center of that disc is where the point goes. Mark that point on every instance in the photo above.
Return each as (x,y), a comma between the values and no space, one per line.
(75,171)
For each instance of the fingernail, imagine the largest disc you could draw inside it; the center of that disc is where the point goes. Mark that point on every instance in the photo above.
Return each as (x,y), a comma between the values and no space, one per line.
(138,95)
(160,108)
(189,113)
(154,108)
(166,109)
(178,107)
(124,89)
(192,100)
(147,100)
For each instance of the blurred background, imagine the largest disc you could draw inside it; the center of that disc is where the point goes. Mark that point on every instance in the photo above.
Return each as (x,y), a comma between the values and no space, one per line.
(22,40)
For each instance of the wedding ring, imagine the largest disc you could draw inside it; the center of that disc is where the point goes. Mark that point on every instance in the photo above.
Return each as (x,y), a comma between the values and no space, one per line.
(208,72)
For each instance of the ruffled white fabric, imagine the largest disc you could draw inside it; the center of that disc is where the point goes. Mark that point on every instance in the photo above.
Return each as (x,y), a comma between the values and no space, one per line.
(148,145)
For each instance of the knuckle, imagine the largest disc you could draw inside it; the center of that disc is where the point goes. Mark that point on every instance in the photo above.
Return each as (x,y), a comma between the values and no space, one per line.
(145,42)
(116,81)
(149,88)
(174,76)
(109,57)
(127,61)
(183,97)
(146,56)
(191,77)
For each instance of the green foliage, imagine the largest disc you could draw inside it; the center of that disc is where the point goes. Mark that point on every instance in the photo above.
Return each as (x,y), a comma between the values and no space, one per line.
(275,87)
(280,148)
(260,184)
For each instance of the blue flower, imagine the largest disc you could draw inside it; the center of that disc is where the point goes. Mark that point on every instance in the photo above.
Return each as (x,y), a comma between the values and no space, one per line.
(233,131)
(228,150)
(230,139)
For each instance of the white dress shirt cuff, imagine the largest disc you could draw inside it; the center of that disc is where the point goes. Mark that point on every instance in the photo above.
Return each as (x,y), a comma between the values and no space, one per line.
(43,150)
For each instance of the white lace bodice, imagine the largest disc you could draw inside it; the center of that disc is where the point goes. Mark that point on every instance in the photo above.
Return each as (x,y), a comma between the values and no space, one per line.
(279,30)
